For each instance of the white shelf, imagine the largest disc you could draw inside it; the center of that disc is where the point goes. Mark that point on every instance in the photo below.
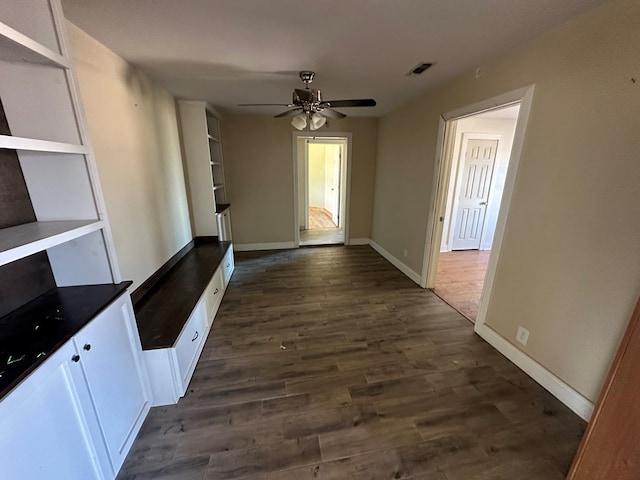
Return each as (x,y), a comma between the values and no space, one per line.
(213,139)
(218,187)
(29,238)
(17,47)
(216,164)
(31,144)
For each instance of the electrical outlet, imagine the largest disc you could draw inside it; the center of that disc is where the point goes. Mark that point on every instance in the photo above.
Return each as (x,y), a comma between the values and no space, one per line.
(405,253)
(522,336)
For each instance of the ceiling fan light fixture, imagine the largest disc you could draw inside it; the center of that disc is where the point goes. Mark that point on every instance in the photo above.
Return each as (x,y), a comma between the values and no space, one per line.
(299,121)
(316,121)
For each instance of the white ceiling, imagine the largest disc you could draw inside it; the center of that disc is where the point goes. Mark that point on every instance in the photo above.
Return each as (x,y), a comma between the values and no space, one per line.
(249,51)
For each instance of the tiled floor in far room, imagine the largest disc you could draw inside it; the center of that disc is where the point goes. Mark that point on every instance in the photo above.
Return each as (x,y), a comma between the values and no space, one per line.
(328,363)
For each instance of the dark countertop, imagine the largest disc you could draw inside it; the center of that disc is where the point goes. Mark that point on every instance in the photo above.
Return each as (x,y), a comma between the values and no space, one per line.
(163,311)
(31,333)
(221,207)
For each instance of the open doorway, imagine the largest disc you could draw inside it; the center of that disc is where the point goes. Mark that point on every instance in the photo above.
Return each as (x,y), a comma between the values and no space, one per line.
(477,158)
(321,190)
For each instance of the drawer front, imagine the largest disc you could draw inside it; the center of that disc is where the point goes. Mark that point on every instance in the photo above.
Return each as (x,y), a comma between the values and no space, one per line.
(227,266)
(213,295)
(189,342)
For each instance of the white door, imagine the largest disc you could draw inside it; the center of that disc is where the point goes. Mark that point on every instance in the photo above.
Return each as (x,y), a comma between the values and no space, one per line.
(332,182)
(335,190)
(473,193)
(111,358)
(46,424)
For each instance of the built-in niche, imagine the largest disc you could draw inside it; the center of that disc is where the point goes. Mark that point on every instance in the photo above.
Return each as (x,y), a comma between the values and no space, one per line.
(25,279)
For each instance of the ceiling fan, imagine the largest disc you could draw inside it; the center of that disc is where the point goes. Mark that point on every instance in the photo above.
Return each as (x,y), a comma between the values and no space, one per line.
(308,107)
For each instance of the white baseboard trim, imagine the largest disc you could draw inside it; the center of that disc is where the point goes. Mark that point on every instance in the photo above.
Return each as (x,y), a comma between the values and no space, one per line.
(574,400)
(395,262)
(250,247)
(359,241)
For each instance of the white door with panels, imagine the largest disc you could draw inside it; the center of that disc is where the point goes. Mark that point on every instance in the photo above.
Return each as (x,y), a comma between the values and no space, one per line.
(473,193)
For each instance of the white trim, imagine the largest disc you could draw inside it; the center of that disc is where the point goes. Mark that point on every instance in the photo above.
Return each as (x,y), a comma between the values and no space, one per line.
(338,136)
(430,253)
(17,47)
(250,247)
(526,98)
(359,241)
(29,238)
(34,145)
(579,404)
(415,276)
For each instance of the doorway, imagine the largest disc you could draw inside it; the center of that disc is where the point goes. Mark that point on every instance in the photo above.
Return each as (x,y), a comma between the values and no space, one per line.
(475,162)
(322,172)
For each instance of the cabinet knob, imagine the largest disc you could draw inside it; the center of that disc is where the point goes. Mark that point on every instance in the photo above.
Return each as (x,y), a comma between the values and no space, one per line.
(75,358)
(215,291)
(195,336)
(87,346)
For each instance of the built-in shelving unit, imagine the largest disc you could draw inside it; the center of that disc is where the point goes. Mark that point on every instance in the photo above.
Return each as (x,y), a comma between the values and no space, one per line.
(42,127)
(29,238)
(202,147)
(68,343)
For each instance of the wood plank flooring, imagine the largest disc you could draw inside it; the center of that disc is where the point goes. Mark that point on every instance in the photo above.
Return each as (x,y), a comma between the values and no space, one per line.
(328,363)
(322,230)
(320,218)
(460,278)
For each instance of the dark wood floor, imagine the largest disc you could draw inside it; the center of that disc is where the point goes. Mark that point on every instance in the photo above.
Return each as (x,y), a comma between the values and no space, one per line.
(328,363)
(460,278)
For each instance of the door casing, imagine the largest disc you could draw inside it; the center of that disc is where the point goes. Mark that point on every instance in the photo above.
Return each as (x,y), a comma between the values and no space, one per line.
(326,137)
(446,134)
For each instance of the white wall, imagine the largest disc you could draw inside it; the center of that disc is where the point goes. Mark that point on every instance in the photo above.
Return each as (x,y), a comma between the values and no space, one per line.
(133,127)
(465,128)
(569,267)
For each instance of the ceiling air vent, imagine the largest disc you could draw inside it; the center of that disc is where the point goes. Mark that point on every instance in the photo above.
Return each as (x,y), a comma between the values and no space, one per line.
(418,69)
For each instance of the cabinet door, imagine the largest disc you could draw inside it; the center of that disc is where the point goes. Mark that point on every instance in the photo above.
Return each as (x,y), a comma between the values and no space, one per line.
(111,357)
(46,424)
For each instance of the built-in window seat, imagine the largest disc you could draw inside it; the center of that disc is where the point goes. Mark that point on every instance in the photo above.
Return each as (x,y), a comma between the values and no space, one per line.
(175,310)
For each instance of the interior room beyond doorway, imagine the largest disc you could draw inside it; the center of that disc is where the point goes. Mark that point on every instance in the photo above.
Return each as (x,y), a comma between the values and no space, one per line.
(322,185)
(479,158)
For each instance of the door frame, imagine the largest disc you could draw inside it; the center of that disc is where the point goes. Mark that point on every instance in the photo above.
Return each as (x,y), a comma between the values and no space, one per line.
(345,194)
(522,96)
(459,162)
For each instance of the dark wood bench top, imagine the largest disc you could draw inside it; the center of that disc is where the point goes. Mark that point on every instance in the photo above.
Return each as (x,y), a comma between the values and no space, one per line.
(33,332)
(164,309)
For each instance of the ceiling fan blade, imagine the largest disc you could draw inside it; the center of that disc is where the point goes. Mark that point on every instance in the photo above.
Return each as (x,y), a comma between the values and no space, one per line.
(303,95)
(360,102)
(288,113)
(329,113)
(265,105)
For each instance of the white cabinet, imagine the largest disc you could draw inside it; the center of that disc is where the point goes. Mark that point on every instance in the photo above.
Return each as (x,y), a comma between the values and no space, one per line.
(228,266)
(76,416)
(47,427)
(224,225)
(213,296)
(111,357)
(202,147)
(170,369)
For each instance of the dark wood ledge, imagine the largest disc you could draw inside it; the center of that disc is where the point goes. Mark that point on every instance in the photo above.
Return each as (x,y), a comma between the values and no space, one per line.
(163,310)
(33,332)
